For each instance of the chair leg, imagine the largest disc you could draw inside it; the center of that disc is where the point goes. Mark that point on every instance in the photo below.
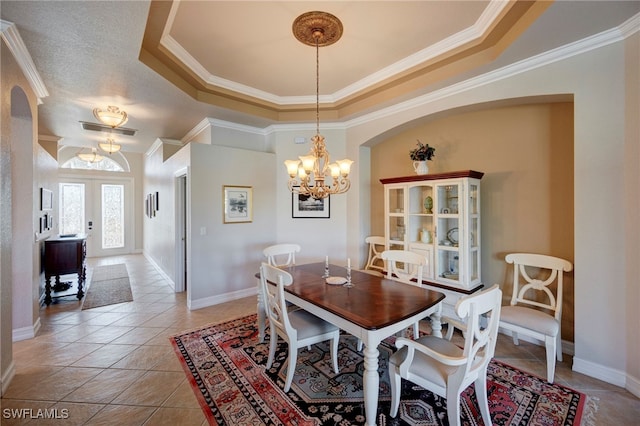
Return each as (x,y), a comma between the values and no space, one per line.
(395,380)
(416,330)
(335,342)
(293,358)
(559,347)
(360,345)
(514,335)
(481,395)
(453,405)
(273,342)
(550,346)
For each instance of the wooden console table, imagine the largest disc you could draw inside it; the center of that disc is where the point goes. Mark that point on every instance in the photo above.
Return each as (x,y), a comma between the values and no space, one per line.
(64,255)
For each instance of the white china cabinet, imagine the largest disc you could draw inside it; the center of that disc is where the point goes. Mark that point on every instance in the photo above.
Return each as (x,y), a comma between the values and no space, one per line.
(438,215)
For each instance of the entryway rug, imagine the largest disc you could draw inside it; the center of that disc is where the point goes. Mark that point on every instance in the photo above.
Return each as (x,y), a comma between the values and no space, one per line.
(109,285)
(225,365)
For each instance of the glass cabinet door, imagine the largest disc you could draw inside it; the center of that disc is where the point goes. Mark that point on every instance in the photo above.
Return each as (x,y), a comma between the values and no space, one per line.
(448,232)
(396,225)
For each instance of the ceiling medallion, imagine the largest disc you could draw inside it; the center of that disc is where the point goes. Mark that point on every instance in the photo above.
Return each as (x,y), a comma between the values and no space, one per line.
(307,26)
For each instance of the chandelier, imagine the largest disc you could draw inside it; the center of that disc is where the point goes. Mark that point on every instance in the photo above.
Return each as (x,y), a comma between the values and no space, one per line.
(90,157)
(307,175)
(112,117)
(109,146)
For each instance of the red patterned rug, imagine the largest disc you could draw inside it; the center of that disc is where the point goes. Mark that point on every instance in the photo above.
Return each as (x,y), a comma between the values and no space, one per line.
(226,368)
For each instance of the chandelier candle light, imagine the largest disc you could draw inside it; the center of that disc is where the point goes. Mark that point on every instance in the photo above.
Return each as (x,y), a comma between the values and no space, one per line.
(318,29)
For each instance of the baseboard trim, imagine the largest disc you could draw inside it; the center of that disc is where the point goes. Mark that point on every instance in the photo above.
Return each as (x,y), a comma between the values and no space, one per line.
(26,333)
(633,385)
(160,271)
(6,378)
(600,372)
(222,298)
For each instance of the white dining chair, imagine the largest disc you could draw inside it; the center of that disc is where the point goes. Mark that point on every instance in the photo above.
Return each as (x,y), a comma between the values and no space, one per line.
(440,366)
(375,264)
(409,273)
(533,289)
(298,328)
(281,255)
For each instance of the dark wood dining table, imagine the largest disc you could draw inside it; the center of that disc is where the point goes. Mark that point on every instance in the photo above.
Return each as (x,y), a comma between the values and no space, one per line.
(373,309)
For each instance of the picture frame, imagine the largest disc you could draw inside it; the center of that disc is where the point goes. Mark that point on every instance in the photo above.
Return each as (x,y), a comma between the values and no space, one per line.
(46,199)
(305,207)
(237,204)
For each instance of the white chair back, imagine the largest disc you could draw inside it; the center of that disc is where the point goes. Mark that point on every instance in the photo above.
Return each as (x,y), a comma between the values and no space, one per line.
(480,343)
(281,255)
(375,253)
(412,266)
(275,302)
(527,288)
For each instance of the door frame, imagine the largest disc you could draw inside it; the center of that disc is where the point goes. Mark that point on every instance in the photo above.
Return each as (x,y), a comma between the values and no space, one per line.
(94,181)
(182,230)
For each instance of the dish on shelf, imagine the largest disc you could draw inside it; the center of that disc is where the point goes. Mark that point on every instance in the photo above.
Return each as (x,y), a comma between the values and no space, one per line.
(452,236)
(450,276)
(336,280)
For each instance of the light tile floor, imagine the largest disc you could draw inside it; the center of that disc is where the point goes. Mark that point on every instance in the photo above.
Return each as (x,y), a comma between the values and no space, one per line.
(114,365)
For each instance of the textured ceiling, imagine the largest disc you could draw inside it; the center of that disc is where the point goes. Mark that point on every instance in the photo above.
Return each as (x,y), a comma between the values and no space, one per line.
(171,64)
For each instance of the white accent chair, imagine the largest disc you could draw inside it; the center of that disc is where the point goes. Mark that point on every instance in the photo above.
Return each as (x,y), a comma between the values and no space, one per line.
(409,273)
(527,291)
(373,260)
(445,369)
(276,254)
(298,328)
(280,256)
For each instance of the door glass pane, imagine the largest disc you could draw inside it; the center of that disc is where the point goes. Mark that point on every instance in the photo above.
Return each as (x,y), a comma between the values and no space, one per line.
(71,208)
(112,216)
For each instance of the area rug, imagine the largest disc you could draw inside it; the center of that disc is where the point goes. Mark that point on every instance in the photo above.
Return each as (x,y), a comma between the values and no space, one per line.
(225,365)
(109,285)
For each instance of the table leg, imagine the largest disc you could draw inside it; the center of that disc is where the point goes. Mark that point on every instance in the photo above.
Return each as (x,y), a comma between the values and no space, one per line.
(261,315)
(81,278)
(371,382)
(47,290)
(436,323)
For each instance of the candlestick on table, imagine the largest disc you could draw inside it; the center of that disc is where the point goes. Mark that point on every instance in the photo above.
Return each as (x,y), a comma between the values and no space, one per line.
(348,283)
(326,267)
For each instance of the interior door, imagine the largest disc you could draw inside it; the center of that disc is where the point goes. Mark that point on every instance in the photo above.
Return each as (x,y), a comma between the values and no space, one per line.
(101,209)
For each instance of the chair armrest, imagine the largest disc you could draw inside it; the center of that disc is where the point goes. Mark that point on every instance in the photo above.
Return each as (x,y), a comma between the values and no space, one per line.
(412,345)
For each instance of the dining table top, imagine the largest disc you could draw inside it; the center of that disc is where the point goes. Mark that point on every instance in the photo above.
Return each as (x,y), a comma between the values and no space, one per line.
(372,302)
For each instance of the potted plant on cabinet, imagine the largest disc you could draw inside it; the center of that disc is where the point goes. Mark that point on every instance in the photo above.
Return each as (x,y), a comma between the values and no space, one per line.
(420,156)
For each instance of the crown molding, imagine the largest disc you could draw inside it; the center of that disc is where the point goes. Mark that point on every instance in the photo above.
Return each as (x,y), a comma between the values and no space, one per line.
(16,45)
(473,33)
(579,47)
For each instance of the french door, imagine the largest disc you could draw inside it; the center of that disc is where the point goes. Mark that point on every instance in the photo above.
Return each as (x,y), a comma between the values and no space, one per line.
(101,209)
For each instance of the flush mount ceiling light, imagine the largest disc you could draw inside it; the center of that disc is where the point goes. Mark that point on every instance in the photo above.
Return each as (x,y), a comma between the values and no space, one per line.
(111,117)
(109,146)
(307,175)
(91,156)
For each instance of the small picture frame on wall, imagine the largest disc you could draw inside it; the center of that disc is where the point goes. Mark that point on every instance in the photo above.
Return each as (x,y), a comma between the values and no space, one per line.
(307,207)
(46,199)
(237,202)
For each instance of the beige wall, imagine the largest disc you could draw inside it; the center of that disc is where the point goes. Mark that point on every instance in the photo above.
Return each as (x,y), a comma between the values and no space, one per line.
(526,153)
(12,114)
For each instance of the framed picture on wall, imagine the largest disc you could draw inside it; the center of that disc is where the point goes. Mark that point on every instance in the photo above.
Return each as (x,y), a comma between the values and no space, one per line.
(237,202)
(46,199)
(307,207)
